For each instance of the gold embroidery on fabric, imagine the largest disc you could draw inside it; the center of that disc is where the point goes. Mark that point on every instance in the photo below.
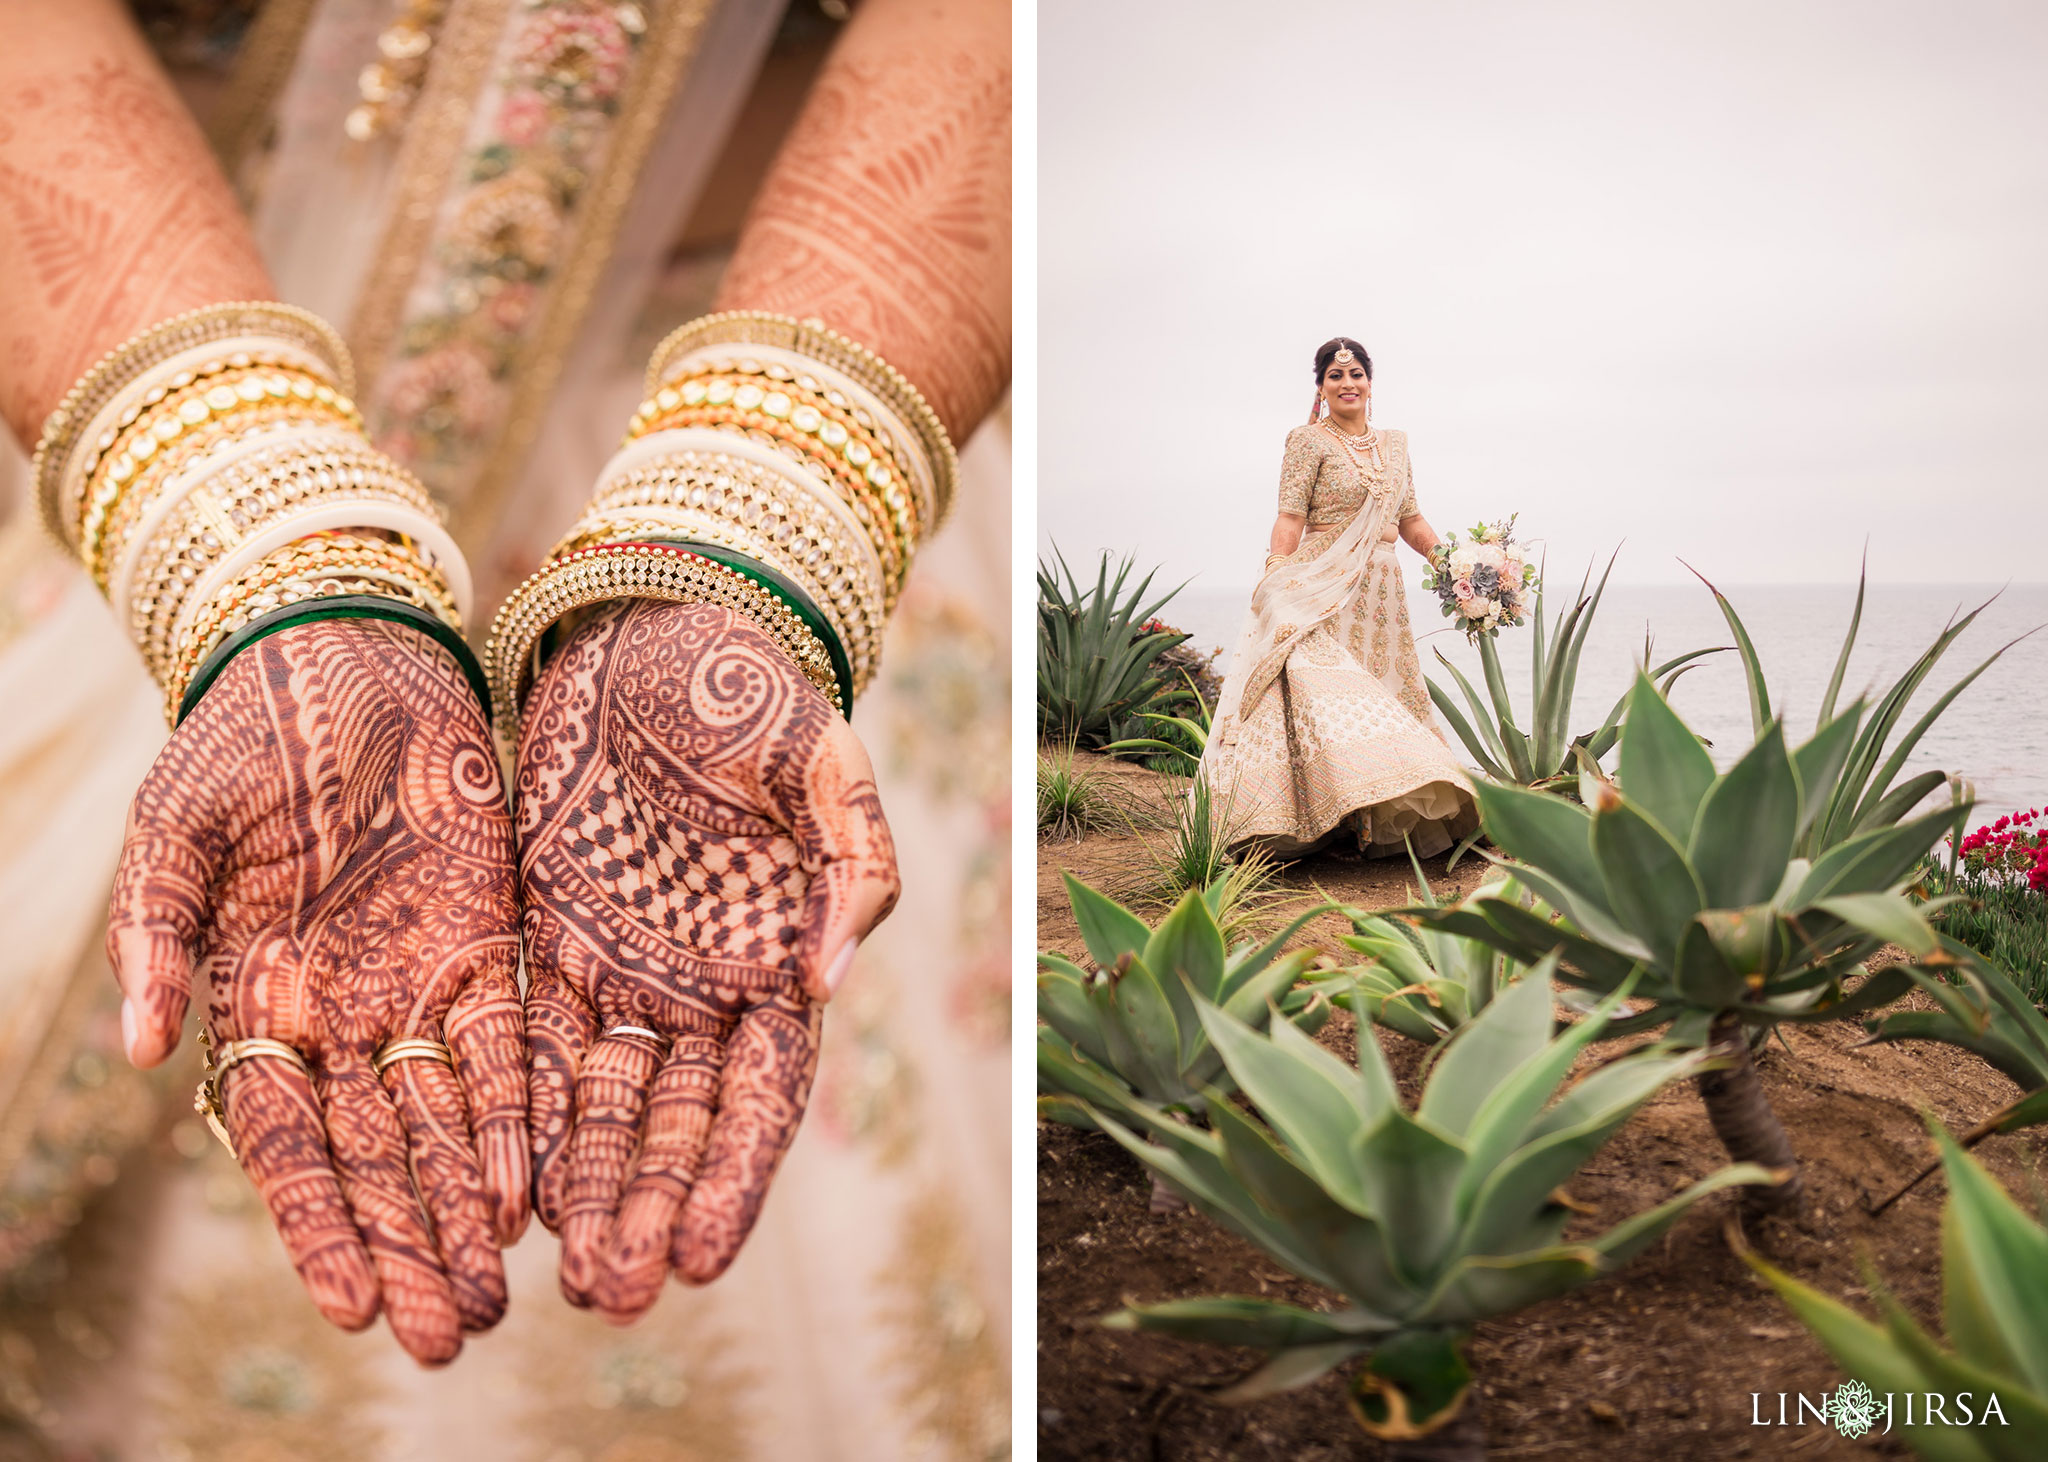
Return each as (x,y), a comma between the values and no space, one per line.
(954,1380)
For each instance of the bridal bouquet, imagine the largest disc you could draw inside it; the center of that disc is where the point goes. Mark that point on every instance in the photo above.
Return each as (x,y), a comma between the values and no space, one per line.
(1482,584)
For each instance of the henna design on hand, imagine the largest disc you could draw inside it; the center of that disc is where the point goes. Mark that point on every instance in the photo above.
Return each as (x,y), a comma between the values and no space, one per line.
(887,213)
(113,213)
(325,846)
(700,842)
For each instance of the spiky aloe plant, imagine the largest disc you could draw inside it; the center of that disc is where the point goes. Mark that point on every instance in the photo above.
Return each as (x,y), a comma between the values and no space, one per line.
(1863,793)
(1095,663)
(1547,754)
(1426,1222)
(1686,878)
(1994,1289)
(1128,1033)
(1421,982)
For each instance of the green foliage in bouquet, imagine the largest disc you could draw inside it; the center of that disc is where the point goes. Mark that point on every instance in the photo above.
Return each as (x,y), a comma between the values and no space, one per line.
(1426,1221)
(1683,882)
(1095,659)
(1864,792)
(1421,982)
(1128,1030)
(1994,1300)
(1547,755)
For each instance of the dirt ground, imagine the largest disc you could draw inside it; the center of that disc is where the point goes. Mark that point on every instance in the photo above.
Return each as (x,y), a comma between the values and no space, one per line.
(1659,1361)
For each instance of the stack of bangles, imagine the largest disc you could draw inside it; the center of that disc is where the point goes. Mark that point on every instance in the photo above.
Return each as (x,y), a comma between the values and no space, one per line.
(776,468)
(213,477)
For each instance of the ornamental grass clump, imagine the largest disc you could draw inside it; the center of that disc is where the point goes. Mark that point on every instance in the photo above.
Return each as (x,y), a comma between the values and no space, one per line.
(1427,1222)
(1994,1304)
(1683,884)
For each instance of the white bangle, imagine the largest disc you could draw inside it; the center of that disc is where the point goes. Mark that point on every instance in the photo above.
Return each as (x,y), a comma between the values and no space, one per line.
(658,446)
(431,541)
(909,447)
(71,486)
(196,474)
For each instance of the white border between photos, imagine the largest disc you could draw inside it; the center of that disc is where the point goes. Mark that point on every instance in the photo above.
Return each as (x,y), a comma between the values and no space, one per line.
(1023,729)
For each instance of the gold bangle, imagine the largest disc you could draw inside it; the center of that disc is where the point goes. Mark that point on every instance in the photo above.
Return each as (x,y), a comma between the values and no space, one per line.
(271,491)
(322,566)
(815,340)
(208,421)
(410,1048)
(634,571)
(854,488)
(126,362)
(143,493)
(855,617)
(811,409)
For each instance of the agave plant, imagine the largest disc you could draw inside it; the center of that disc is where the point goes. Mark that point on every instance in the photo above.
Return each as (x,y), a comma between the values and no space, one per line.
(1988,1015)
(1094,656)
(1421,982)
(1190,733)
(1686,879)
(1128,1031)
(1994,1291)
(1547,755)
(1863,793)
(1426,1222)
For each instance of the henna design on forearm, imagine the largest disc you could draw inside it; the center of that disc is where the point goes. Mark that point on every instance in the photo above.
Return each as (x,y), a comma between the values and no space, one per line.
(699,836)
(887,212)
(113,214)
(324,852)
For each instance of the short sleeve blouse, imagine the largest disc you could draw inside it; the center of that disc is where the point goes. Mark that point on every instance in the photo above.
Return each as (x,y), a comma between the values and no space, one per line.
(1319,482)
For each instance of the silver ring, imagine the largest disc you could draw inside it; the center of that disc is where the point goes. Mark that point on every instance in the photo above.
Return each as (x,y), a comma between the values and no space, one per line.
(638,1030)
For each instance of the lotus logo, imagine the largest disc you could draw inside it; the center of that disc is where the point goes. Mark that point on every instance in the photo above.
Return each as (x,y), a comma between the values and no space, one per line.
(1853,1409)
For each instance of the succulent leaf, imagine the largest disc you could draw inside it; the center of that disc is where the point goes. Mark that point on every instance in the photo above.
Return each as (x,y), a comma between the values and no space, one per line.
(1652,888)
(1498,1041)
(1549,833)
(1664,771)
(1747,825)
(1111,930)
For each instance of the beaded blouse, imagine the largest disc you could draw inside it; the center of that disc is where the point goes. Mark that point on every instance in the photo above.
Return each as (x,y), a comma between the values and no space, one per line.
(1319,482)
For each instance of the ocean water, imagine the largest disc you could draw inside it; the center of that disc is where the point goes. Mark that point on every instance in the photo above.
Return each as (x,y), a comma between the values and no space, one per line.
(1995,733)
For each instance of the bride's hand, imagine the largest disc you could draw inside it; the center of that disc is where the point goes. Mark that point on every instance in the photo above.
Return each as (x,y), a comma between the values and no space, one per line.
(325,846)
(701,848)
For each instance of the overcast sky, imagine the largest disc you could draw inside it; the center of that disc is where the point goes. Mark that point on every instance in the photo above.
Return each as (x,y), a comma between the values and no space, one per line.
(1740,282)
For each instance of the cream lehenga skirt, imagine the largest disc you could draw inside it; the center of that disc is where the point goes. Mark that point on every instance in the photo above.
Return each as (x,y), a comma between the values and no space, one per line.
(1343,747)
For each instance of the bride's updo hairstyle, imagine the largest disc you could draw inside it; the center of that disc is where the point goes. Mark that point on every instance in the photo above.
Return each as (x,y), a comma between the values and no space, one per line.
(1327,352)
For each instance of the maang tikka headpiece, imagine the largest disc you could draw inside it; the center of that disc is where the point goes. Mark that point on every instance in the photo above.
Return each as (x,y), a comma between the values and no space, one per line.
(1343,356)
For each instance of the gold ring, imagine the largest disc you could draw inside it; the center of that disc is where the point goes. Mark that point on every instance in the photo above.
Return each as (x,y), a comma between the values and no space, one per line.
(209,1101)
(411,1048)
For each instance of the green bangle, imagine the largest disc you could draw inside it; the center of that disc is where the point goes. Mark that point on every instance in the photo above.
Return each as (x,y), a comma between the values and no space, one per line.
(344,606)
(796,600)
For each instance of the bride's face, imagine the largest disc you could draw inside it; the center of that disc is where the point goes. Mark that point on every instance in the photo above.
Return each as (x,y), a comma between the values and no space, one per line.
(1346,386)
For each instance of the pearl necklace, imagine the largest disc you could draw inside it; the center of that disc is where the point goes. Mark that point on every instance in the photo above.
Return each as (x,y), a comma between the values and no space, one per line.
(1366,443)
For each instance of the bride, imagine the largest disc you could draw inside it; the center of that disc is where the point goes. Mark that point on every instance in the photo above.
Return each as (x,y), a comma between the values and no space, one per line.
(1323,733)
